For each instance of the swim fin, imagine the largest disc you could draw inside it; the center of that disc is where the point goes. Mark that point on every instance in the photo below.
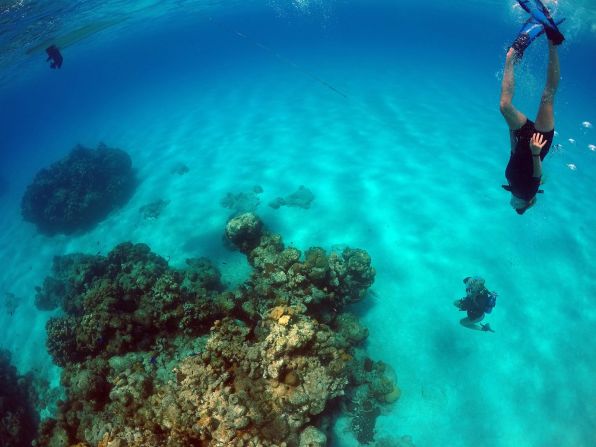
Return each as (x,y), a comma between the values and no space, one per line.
(541,13)
(530,30)
(527,34)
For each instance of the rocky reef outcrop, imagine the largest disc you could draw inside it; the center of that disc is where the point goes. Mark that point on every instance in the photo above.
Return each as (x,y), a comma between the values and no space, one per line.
(242,202)
(18,418)
(77,192)
(156,356)
(301,198)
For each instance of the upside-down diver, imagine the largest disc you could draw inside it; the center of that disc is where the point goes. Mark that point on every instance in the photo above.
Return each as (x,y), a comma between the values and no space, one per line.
(530,140)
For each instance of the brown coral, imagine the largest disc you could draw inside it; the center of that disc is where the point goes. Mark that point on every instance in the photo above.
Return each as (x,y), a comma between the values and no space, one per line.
(155,356)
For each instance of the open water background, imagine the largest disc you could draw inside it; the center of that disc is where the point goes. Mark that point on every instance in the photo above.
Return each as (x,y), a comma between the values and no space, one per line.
(406,161)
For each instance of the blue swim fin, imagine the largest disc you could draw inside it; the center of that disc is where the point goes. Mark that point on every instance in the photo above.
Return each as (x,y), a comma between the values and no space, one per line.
(530,30)
(541,13)
(527,34)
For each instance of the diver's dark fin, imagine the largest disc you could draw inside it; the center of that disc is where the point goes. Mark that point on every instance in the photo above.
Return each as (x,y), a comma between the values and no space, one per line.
(541,13)
(554,35)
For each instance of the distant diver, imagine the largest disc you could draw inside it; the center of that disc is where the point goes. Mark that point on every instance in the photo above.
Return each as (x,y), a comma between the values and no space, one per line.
(530,141)
(54,56)
(477,302)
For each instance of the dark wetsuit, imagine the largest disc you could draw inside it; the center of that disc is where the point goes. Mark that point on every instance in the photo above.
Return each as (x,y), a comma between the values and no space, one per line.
(520,168)
(475,305)
(54,56)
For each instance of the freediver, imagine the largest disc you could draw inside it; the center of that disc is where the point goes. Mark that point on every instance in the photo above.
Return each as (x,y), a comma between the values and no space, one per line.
(54,56)
(530,141)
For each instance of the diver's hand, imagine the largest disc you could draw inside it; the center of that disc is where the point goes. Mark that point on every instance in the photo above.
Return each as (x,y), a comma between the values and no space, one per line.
(537,142)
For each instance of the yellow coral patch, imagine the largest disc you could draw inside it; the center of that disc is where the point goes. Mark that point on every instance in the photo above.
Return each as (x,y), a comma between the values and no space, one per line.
(284,320)
(204,421)
(104,441)
(277,312)
(345,356)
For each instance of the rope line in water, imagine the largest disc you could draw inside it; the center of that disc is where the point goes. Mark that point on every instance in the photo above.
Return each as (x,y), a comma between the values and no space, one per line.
(282,59)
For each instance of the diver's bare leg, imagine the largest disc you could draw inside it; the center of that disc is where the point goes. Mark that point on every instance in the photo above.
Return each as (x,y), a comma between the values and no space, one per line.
(545,120)
(471,324)
(515,119)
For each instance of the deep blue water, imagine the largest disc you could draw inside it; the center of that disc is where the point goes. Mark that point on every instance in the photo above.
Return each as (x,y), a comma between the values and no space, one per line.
(406,162)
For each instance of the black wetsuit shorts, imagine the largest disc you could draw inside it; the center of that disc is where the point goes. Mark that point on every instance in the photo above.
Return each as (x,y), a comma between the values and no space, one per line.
(475,314)
(520,168)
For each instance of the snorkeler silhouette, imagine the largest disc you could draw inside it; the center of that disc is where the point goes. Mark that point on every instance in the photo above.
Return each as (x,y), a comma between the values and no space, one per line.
(530,141)
(477,302)
(55,56)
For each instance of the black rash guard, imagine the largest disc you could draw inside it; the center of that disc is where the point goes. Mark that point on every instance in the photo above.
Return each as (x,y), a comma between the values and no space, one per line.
(520,168)
(475,305)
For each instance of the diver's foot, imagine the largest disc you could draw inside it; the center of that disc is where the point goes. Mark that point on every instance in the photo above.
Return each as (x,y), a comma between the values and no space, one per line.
(486,327)
(519,46)
(530,31)
(541,14)
(554,36)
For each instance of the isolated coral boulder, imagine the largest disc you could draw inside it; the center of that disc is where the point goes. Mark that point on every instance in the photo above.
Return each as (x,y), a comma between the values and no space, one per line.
(244,231)
(77,192)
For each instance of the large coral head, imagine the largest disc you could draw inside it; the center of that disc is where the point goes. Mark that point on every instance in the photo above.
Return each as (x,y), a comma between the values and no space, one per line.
(244,231)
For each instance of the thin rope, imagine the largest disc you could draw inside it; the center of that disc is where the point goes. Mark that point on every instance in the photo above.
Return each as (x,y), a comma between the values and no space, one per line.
(282,59)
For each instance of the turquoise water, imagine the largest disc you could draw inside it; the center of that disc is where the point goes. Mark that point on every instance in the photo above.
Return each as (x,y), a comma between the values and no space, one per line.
(388,112)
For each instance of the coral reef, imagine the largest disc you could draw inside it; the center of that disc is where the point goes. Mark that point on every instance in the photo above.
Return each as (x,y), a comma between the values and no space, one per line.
(18,419)
(155,356)
(242,202)
(312,437)
(79,191)
(152,210)
(70,274)
(373,384)
(123,301)
(301,198)
(324,283)
(244,232)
